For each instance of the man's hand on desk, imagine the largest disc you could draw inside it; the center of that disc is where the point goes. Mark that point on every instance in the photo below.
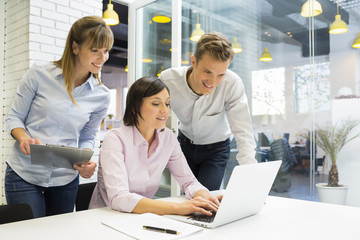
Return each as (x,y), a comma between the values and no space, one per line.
(86,170)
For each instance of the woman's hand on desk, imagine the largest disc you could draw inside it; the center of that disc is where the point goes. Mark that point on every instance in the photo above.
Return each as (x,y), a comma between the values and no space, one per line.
(86,170)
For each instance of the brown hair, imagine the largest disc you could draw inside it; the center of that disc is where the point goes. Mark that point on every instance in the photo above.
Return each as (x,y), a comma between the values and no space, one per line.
(216,45)
(140,89)
(93,32)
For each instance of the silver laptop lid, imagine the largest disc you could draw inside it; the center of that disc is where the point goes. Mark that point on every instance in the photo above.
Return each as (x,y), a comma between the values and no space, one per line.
(246,192)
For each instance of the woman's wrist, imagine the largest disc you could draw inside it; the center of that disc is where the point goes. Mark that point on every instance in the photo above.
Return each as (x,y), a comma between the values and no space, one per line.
(202,193)
(20,135)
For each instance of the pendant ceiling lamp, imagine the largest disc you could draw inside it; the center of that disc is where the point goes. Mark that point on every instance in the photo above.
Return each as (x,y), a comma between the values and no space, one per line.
(126,68)
(356,43)
(198,32)
(338,26)
(236,46)
(266,56)
(110,16)
(311,8)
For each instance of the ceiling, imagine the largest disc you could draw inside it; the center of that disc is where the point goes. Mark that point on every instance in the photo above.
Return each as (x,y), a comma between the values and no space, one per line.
(118,54)
(277,16)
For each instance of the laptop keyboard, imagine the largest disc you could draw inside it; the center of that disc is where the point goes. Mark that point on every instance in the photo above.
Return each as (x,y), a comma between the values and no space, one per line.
(203,218)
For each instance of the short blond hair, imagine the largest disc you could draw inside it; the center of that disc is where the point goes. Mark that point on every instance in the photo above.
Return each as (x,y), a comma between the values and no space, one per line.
(216,45)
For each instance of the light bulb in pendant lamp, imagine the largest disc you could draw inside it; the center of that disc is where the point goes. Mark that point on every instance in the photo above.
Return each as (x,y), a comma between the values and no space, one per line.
(161,18)
(338,26)
(236,46)
(198,32)
(266,56)
(311,8)
(110,16)
(356,43)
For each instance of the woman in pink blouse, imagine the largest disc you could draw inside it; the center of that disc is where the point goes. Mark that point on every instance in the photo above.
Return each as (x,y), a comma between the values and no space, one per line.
(133,157)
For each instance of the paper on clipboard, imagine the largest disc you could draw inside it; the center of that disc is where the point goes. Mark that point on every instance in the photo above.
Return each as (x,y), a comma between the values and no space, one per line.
(58,155)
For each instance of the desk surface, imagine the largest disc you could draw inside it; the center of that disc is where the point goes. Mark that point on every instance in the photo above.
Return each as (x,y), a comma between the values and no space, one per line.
(281,218)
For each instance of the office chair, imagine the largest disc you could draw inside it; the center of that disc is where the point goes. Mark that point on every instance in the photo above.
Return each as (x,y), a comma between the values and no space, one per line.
(281,150)
(305,157)
(286,135)
(263,140)
(15,212)
(84,195)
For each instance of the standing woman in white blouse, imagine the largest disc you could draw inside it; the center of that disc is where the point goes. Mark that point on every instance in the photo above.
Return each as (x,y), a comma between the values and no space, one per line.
(62,103)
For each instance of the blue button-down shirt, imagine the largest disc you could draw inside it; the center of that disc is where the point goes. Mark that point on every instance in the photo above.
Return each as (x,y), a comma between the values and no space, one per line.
(42,106)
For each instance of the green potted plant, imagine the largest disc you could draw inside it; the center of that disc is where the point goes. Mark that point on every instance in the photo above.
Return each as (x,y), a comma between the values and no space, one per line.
(332,139)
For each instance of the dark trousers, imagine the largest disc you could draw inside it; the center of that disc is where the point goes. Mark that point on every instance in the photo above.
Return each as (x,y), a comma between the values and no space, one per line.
(207,162)
(43,201)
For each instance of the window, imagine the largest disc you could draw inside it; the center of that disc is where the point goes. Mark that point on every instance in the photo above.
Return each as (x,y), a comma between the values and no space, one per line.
(302,87)
(112,105)
(268,88)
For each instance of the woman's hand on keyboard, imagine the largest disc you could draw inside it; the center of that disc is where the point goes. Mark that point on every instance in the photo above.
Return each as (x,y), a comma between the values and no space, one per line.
(197,204)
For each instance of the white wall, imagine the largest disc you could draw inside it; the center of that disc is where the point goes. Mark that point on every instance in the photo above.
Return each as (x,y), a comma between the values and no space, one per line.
(344,61)
(34,31)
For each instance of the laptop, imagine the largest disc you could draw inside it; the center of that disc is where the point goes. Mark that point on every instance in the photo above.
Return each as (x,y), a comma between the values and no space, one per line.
(245,195)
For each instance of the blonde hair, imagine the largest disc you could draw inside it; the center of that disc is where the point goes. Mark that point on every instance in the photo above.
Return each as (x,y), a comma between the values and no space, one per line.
(93,32)
(216,45)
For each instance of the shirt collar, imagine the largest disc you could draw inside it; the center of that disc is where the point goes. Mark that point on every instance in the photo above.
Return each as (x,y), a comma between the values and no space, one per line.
(188,89)
(57,71)
(91,81)
(139,139)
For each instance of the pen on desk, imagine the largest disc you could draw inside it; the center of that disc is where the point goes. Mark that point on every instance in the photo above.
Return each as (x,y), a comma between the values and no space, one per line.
(163,230)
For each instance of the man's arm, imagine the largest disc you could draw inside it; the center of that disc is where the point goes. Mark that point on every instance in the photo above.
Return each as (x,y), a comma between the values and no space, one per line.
(238,115)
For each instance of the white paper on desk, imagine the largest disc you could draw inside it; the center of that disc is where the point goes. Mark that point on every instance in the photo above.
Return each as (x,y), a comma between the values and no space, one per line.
(133,227)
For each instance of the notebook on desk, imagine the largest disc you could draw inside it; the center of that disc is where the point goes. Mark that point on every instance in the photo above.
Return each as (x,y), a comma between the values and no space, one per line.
(245,195)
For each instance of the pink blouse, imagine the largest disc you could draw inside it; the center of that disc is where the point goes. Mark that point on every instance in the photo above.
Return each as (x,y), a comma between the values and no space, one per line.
(128,172)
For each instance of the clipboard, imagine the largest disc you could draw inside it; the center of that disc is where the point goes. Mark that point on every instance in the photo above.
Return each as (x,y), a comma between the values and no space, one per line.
(58,156)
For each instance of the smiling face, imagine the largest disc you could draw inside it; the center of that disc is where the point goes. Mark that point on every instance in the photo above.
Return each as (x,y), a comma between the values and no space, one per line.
(154,111)
(207,74)
(89,59)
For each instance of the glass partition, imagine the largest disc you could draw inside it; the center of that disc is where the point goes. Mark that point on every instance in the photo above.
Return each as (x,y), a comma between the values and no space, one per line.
(295,92)
(153,40)
(312,78)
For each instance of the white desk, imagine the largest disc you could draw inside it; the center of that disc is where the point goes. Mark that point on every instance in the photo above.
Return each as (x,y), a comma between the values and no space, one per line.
(281,218)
